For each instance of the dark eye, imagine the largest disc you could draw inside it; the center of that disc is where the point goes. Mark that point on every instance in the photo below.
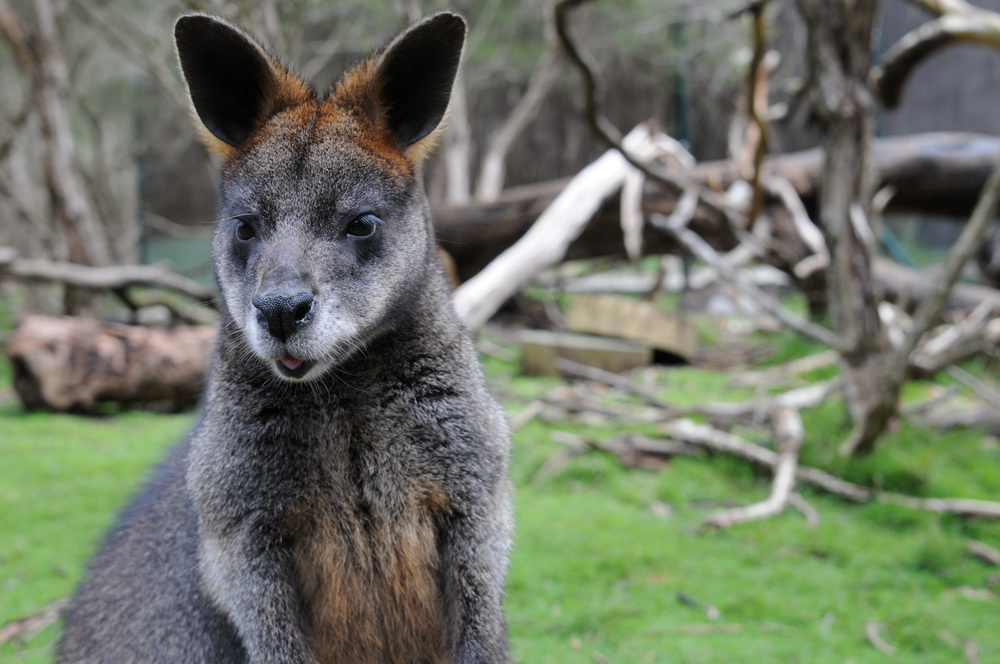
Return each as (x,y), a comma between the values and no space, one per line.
(244,231)
(364,226)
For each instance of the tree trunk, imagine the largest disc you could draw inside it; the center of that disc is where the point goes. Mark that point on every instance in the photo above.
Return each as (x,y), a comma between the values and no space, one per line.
(840,60)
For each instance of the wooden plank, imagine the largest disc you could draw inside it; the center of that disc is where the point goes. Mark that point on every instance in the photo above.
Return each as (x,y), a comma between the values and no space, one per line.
(628,318)
(541,348)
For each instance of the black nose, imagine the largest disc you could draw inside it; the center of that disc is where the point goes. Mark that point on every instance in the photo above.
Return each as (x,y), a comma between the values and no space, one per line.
(282,314)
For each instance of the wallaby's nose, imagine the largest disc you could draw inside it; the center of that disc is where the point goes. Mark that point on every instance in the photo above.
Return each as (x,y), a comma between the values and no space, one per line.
(284,313)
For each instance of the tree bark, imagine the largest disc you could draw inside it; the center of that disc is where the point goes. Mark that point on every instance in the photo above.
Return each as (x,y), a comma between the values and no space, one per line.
(840,59)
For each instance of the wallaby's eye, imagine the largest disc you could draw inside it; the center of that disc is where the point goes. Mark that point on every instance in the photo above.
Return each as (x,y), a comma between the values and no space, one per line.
(364,226)
(244,231)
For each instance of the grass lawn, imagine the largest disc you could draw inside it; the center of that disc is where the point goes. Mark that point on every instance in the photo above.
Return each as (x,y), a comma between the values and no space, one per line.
(597,572)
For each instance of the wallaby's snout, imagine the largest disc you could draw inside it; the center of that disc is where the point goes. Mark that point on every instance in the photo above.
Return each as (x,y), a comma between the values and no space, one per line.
(283,307)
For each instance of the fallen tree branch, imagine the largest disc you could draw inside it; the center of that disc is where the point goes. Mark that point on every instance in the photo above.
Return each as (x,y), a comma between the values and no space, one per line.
(984,552)
(546,242)
(960,164)
(874,638)
(101,278)
(608,378)
(958,22)
(704,252)
(788,438)
(721,441)
(728,443)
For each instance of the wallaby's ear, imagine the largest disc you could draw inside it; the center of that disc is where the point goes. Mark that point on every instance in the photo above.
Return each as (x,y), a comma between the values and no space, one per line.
(407,87)
(234,84)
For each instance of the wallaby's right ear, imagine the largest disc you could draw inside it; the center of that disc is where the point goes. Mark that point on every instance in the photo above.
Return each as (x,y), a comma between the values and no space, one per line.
(234,84)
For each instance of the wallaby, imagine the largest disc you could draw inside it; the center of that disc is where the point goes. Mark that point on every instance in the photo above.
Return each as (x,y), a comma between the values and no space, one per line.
(344,497)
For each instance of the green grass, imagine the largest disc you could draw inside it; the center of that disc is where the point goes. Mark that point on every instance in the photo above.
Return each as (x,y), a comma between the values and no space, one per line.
(595,574)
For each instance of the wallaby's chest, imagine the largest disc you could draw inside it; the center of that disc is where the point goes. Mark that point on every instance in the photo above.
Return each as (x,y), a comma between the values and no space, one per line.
(351,502)
(367,573)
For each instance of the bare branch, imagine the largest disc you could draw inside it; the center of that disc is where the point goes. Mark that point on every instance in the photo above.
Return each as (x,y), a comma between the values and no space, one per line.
(101,278)
(609,133)
(24,628)
(116,28)
(491,172)
(704,252)
(959,254)
(546,242)
(959,22)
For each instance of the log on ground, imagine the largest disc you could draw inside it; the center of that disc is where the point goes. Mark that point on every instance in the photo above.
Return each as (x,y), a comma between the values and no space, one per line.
(73,364)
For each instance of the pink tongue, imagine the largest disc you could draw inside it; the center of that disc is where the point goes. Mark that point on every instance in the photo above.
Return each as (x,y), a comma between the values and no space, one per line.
(292,363)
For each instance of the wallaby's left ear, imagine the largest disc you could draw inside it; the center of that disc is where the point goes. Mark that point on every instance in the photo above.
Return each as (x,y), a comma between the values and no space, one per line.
(411,80)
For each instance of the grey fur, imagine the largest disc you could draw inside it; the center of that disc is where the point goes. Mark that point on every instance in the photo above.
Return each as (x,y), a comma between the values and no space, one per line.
(359,513)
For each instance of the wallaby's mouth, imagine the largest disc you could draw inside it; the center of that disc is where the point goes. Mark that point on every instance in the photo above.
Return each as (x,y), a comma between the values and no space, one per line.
(293,367)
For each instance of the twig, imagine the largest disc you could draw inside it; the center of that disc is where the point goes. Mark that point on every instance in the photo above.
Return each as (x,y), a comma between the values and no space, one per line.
(956,342)
(574,447)
(528,413)
(593,373)
(968,507)
(704,252)
(984,552)
(958,22)
(808,511)
(961,251)
(932,402)
(25,628)
(983,391)
(728,443)
(762,65)
(792,368)
(970,650)
(759,410)
(874,638)
(788,435)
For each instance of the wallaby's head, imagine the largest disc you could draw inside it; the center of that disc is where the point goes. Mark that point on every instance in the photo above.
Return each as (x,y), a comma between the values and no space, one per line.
(324,237)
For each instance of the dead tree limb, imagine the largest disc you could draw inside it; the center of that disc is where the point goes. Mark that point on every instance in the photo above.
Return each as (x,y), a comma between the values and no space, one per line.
(788,439)
(941,173)
(957,22)
(894,369)
(984,552)
(727,443)
(112,278)
(603,127)
(677,225)
(545,244)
